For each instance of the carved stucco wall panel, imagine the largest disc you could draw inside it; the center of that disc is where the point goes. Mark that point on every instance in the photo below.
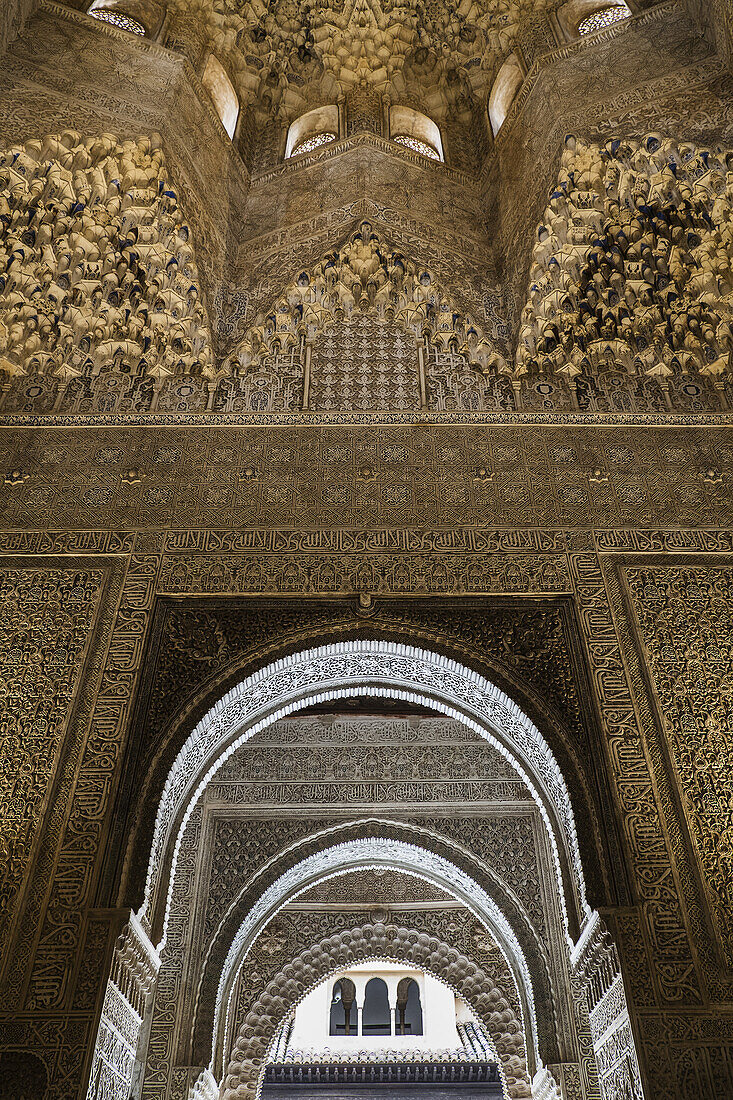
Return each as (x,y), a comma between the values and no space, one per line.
(56,956)
(47,621)
(312,478)
(59,956)
(584,575)
(642,817)
(498,835)
(683,616)
(13,19)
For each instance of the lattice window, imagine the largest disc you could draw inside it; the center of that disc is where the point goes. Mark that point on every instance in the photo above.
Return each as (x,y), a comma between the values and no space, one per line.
(362,364)
(603,18)
(119,19)
(313,142)
(417,145)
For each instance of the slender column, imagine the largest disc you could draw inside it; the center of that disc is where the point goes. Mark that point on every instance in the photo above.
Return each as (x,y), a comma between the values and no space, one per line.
(720,390)
(386,130)
(157,387)
(392,982)
(283,139)
(63,387)
(421,374)
(307,374)
(574,394)
(360,983)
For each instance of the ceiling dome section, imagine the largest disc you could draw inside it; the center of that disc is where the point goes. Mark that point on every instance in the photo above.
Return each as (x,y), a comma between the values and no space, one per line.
(282,52)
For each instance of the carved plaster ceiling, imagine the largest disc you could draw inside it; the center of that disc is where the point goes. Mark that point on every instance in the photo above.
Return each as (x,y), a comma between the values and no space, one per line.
(280,51)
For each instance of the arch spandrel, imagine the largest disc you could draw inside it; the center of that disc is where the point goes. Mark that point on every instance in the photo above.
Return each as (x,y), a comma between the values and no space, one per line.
(372,668)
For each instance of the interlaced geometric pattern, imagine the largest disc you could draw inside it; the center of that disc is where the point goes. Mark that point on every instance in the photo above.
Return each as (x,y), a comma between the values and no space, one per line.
(364,365)
(417,145)
(274,385)
(603,18)
(454,384)
(119,19)
(313,142)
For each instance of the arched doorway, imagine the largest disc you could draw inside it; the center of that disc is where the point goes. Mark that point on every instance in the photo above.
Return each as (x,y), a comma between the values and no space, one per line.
(556,1029)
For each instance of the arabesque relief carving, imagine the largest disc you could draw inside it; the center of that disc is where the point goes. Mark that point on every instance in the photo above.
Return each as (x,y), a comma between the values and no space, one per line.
(459,387)
(685,621)
(45,624)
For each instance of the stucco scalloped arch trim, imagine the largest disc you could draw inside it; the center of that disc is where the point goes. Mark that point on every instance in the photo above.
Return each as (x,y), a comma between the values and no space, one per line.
(377,852)
(374,941)
(363,667)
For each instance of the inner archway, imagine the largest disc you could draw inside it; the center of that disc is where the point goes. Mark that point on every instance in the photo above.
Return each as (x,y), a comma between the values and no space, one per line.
(330,863)
(260,1029)
(380,674)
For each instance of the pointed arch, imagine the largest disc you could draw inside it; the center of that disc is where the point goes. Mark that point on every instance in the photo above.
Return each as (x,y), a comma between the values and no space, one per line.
(381,843)
(384,851)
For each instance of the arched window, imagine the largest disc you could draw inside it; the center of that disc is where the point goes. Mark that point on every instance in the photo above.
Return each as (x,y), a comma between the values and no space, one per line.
(578,18)
(416,131)
(107,12)
(506,86)
(222,93)
(408,1013)
(375,1019)
(604,17)
(314,128)
(342,1020)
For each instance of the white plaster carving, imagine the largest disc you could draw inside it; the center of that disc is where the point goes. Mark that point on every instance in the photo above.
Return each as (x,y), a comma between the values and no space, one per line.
(369,853)
(362,668)
(135,966)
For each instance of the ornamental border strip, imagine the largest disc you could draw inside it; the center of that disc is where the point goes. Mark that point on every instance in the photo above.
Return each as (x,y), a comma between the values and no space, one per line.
(343,145)
(375,419)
